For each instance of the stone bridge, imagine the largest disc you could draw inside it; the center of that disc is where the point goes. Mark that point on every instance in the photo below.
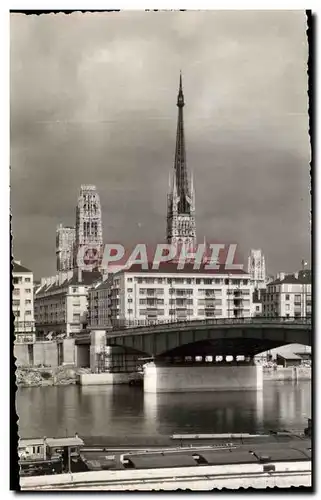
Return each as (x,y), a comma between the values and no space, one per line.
(173,350)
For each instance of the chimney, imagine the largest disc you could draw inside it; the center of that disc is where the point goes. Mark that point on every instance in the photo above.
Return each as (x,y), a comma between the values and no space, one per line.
(79,275)
(280,276)
(296,275)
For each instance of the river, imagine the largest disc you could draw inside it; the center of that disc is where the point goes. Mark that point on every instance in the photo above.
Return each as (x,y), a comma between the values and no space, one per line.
(121,410)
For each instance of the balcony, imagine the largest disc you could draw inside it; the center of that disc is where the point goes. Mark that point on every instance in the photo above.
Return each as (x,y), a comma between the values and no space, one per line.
(25,338)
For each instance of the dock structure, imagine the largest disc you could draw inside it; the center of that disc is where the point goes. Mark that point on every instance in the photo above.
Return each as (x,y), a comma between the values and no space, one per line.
(256,464)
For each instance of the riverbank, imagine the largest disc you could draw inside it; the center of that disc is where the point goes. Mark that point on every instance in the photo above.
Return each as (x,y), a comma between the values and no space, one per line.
(68,375)
(48,376)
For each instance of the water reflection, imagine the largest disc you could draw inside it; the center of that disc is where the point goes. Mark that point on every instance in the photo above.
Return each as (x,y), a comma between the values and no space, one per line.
(122,410)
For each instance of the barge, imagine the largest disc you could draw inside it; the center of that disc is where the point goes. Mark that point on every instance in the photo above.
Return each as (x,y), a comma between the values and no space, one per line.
(50,456)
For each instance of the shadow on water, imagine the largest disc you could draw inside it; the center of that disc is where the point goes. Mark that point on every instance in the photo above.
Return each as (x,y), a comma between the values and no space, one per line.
(119,410)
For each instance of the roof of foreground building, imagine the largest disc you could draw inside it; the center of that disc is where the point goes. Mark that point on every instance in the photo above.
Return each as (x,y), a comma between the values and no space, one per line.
(18,268)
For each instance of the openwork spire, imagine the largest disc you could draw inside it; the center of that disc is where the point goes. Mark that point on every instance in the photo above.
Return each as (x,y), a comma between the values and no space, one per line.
(181,199)
(180,156)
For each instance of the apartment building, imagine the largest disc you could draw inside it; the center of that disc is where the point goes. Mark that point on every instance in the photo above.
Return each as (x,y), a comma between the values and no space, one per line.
(288,296)
(22,299)
(136,296)
(99,296)
(61,302)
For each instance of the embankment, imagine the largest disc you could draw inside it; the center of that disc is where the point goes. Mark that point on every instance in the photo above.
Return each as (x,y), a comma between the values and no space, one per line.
(46,376)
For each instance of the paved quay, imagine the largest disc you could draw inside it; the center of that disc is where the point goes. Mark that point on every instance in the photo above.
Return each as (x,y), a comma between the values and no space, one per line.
(286,474)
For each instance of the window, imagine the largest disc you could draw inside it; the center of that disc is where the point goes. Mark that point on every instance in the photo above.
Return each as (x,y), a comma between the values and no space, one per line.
(198,281)
(17,280)
(257,308)
(287,297)
(28,313)
(130,311)
(130,290)
(16,291)
(27,301)
(207,281)
(27,280)
(129,280)
(28,290)
(16,303)
(74,290)
(130,300)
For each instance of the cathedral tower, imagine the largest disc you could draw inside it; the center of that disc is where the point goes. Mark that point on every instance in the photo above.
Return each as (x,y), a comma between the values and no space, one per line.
(181,198)
(89,232)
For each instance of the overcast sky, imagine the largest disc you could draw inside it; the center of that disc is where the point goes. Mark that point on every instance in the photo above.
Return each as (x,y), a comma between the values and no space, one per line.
(93,100)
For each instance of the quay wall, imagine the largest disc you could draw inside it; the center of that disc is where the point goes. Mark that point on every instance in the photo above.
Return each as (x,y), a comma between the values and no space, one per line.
(291,373)
(48,353)
(104,378)
(230,476)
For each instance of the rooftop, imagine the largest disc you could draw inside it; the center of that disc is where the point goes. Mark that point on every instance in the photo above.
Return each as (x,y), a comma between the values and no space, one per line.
(18,268)
(172,268)
(88,278)
(301,279)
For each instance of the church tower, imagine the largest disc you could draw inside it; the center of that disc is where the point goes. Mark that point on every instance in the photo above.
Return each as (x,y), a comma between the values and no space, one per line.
(181,198)
(89,231)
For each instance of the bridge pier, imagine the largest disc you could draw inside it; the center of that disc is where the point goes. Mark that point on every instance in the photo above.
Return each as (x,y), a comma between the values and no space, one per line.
(164,377)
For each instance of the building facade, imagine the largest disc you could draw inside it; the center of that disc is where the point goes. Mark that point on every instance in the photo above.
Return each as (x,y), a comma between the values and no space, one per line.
(22,299)
(288,296)
(181,228)
(61,303)
(256,268)
(65,244)
(89,232)
(134,296)
(99,298)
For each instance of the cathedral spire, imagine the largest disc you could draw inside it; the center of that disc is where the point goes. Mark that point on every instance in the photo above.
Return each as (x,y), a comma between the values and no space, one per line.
(181,200)
(180,156)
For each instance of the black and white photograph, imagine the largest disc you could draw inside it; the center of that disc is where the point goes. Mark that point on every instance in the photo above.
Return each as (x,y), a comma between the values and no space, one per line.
(161,221)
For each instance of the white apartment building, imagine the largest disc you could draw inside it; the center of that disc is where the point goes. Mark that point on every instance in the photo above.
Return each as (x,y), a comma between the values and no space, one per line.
(61,302)
(288,296)
(99,296)
(22,299)
(136,296)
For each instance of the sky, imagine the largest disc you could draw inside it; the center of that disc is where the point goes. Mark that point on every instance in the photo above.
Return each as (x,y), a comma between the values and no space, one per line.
(93,101)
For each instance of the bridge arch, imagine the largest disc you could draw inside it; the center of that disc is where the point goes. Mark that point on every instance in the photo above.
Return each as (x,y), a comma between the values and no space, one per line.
(230,338)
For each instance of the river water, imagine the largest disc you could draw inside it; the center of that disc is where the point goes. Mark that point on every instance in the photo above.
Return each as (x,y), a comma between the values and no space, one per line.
(125,411)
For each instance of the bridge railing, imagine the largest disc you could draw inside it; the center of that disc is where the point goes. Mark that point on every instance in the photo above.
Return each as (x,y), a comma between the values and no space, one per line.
(130,325)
